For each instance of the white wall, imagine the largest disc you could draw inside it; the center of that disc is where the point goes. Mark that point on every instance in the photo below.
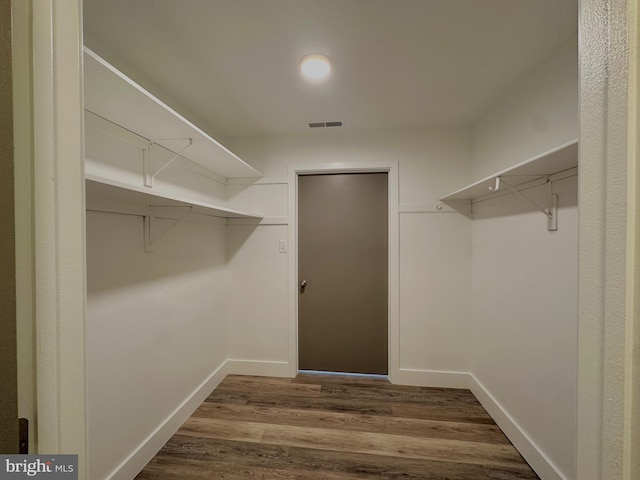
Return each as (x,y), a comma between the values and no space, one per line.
(435,333)
(537,114)
(156,333)
(257,303)
(435,248)
(524,290)
(525,321)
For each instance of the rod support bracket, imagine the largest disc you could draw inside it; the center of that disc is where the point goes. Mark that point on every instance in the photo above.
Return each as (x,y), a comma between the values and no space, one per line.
(147,159)
(149,220)
(550,211)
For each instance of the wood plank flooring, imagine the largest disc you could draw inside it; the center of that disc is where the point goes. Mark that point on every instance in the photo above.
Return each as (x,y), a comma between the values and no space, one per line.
(333,428)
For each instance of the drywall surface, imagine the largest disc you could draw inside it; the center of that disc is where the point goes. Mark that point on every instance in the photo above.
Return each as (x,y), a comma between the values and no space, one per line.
(537,114)
(434,266)
(524,280)
(432,162)
(257,328)
(434,288)
(524,327)
(155,328)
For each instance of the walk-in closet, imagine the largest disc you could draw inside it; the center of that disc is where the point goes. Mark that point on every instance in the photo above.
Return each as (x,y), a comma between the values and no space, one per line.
(198,128)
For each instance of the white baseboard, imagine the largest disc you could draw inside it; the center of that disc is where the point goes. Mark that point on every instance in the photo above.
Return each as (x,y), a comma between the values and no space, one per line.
(430,378)
(260,368)
(154,442)
(540,463)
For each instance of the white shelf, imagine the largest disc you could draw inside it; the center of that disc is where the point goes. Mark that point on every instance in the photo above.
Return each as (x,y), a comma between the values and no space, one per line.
(552,162)
(110,94)
(104,190)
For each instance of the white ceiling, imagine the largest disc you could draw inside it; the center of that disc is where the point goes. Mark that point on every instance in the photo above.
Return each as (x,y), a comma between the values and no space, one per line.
(233,64)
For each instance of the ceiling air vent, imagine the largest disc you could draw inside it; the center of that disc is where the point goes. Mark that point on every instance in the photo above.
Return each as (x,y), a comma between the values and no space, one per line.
(324,124)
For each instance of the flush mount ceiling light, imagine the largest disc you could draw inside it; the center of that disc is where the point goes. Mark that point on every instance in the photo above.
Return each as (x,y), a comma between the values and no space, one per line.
(315,66)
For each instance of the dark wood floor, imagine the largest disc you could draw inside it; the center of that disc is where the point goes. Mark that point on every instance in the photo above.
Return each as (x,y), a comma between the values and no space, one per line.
(331,427)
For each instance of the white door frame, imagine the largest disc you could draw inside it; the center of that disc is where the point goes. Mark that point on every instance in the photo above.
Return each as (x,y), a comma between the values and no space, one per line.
(54,219)
(631,459)
(608,360)
(391,168)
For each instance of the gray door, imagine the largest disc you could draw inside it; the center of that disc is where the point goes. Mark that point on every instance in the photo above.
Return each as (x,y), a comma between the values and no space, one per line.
(8,367)
(343,264)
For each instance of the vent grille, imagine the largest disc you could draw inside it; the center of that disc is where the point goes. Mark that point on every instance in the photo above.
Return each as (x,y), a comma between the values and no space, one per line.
(324,124)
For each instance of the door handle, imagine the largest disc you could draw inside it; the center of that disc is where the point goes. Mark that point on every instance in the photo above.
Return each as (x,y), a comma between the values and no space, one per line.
(303,285)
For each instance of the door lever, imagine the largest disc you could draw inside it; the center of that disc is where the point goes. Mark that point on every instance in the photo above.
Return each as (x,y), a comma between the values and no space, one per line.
(303,285)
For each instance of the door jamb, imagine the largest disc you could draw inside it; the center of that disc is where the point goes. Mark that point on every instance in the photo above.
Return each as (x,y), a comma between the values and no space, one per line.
(389,167)
(59,212)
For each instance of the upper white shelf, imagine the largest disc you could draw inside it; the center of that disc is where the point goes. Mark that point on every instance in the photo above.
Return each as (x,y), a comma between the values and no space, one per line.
(112,95)
(554,161)
(106,189)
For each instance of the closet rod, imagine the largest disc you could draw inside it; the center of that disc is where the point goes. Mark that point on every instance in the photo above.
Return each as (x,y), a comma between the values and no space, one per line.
(551,211)
(541,180)
(148,222)
(544,210)
(113,212)
(142,215)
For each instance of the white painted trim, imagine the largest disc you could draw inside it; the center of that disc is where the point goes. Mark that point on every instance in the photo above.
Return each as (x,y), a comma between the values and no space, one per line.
(137,460)
(425,208)
(534,456)
(391,168)
(602,243)
(261,368)
(432,378)
(292,260)
(631,420)
(60,271)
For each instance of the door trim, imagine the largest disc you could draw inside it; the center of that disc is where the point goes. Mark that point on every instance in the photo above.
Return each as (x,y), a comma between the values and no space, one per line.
(58,213)
(391,168)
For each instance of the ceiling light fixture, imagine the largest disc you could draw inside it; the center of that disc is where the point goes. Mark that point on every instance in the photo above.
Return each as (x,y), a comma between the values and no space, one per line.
(315,66)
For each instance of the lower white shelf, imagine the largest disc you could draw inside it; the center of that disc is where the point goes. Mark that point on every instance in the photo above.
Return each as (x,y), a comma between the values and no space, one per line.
(107,194)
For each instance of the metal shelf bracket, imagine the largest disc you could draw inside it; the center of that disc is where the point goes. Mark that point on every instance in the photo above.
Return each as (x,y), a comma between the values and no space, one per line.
(149,220)
(550,211)
(147,157)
